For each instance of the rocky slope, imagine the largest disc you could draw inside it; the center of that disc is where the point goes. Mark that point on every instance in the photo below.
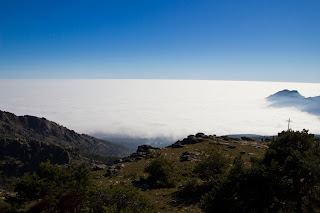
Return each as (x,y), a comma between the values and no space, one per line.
(31,127)
(18,156)
(26,141)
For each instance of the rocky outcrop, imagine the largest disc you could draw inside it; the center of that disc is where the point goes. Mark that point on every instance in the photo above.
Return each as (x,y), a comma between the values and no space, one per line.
(192,139)
(18,156)
(244,138)
(189,156)
(143,151)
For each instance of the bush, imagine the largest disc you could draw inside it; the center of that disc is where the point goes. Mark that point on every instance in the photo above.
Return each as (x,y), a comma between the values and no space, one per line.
(161,172)
(4,207)
(213,163)
(55,189)
(119,198)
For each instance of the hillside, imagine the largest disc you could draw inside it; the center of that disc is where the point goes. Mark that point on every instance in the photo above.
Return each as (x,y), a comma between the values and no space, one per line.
(26,141)
(31,127)
(185,154)
(201,173)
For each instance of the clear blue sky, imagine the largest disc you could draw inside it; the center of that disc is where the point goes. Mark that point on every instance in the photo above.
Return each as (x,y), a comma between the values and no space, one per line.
(265,40)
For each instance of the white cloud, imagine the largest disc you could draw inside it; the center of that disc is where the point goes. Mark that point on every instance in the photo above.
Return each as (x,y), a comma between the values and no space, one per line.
(151,108)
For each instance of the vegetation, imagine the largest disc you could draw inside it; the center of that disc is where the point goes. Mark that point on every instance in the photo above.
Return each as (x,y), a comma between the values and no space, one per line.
(100,158)
(285,180)
(213,163)
(162,172)
(220,176)
(53,189)
(119,198)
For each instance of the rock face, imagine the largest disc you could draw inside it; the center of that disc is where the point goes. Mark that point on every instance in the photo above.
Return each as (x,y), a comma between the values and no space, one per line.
(30,127)
(18,156)
(143,151)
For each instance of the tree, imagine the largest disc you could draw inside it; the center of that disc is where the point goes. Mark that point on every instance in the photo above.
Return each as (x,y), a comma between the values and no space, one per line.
(287,179)
(293,162)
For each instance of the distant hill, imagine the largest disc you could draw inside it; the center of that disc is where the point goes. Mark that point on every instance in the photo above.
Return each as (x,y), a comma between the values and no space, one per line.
(133,143)
(26,141)
(31,127)
(292,98)
(253,136)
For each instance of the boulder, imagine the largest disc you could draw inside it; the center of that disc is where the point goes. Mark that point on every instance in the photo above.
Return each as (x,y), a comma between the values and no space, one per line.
(244,138)
(97,167)
(146,148)
(200,135)
(120,166)
(231,147)
(188,156)
(225,138)
(118,161)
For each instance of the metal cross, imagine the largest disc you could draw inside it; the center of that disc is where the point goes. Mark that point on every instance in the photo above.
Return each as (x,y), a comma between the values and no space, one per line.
(289,121)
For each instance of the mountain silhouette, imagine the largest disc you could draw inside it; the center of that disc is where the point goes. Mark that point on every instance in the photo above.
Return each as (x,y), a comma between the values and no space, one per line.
(292,98)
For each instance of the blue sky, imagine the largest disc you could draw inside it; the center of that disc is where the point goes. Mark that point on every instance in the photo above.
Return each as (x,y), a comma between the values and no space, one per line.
(255,40)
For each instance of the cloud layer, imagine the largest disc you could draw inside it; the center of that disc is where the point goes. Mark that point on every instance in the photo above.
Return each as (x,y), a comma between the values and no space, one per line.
(157,108)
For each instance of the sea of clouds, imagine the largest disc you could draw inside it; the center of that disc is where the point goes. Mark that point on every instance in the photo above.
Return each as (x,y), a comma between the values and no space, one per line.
(158,108)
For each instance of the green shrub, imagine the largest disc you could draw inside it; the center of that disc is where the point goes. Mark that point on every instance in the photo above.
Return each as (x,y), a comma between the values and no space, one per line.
(119,198)
(4,206)
(213,163)
(55,189)
(161,172)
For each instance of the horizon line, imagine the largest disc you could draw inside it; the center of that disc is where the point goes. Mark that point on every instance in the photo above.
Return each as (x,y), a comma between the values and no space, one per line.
(160,79)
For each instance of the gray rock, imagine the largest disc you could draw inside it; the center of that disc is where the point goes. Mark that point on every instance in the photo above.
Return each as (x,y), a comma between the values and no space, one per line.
(99,167)
(111,172)
(146,148)
(128,160)
(231,147)
(118,161)
(222,144)
(200,135)
(120,166)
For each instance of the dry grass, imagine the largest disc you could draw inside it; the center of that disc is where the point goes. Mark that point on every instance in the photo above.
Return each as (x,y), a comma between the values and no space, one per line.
(164,198)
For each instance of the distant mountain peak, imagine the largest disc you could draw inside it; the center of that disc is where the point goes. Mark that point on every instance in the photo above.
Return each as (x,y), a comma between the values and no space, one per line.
(292,98)
(287,93)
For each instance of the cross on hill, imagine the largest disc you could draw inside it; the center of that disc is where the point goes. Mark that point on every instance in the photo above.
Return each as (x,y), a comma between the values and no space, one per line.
(289,121)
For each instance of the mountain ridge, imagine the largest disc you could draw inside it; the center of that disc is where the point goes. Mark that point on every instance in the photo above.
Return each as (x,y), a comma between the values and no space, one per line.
(292,98)
(32,127)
